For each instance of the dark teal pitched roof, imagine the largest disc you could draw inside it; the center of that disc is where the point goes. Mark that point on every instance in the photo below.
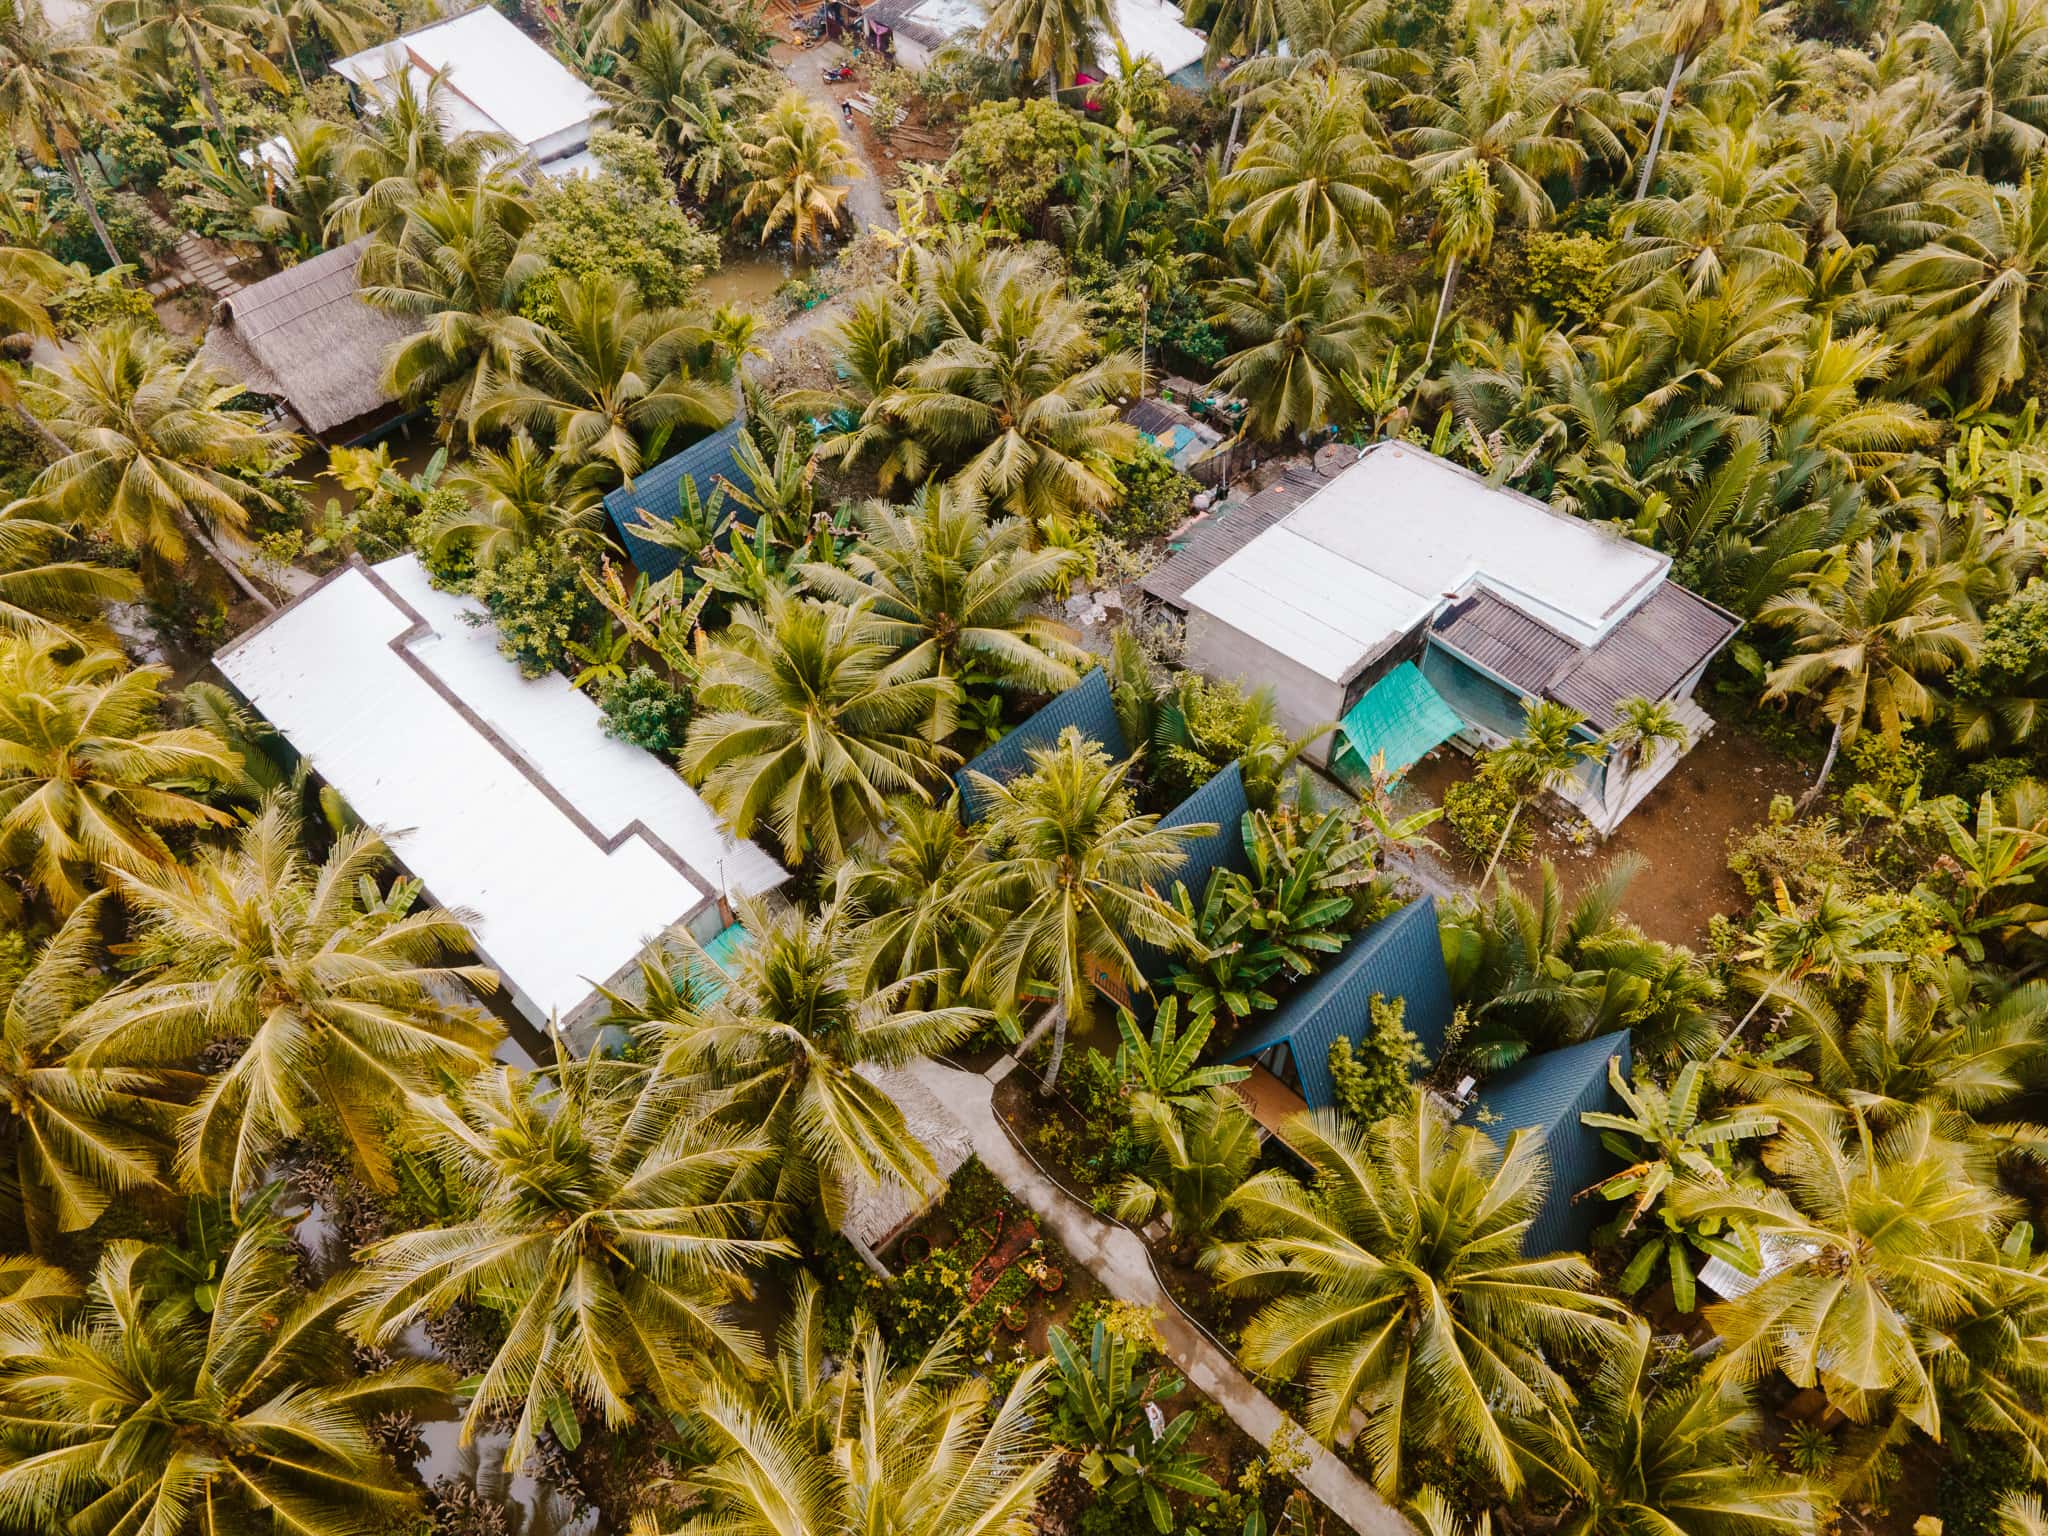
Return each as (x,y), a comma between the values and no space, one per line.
(659,491)
(1087,704)
(1399,956)
(1221,803)
(1547,1094)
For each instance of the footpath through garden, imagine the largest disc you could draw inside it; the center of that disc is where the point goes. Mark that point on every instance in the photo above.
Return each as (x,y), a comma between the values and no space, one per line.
(1117,1257)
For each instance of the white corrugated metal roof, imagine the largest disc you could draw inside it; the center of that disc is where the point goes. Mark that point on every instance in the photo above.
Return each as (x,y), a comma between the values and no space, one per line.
(1370,555)
(499,79)
(1155,28)
(501,793)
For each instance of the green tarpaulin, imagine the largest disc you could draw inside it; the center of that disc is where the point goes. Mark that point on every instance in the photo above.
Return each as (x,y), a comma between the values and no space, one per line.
(1401,716)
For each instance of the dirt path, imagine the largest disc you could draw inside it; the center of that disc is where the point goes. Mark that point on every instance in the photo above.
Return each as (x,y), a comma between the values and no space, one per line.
(865,200)
(1119,1259)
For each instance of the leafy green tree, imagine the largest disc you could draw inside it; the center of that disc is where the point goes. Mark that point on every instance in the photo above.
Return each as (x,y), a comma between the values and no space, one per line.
(339,993)
(1661,1449)
(84,789)
(796,159)
(801,728)
(604,1233)
(783,1053)
(952,591)
(1371,1080)
(1663,1139)
(1012,157)
(1126,1459)
(1400,1284)
(150,1416)
(926,1450)
(1072,875)
(76,1136)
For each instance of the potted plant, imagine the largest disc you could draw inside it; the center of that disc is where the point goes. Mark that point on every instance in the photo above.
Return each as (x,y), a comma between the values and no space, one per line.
(1014,1317)
(915,1248)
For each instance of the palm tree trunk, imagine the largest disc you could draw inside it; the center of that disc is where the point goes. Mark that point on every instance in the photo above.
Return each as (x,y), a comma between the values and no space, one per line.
(235,573)
(1743,1023)
(1052,85)
(291,52)
(220,124)
(1657,133)
(37,428)
(68,154)
(1501,847)
(1051,1081)
(1236,122)
(1827,766)
(1443,305)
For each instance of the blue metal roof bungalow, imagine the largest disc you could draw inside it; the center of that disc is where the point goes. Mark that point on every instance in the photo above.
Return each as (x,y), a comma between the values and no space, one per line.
(1087,705)
(1219,803)
(1547,1094)
(659,492)
(1400,956)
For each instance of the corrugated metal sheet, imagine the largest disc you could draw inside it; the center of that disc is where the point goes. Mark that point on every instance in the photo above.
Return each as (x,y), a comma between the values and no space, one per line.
(1647,655)
(1504,640)
(1401,956)
(1547,1094)
(1087,704)
(1215,539)
(659,492)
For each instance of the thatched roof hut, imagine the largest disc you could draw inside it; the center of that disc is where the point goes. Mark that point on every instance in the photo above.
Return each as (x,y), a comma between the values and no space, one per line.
(306,337)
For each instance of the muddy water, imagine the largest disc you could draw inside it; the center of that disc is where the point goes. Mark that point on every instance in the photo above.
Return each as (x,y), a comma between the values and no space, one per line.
(748,279)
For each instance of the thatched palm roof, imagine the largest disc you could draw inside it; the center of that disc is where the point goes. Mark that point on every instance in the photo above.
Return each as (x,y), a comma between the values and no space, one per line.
(306,337)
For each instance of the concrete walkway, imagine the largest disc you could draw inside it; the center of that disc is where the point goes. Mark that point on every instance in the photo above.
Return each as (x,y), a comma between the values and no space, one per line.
(1117,1257)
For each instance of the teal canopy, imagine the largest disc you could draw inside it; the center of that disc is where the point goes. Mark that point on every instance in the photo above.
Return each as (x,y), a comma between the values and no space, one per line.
(1400,715)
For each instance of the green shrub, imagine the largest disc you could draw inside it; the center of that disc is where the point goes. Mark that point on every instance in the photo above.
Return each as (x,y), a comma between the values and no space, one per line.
(1013,155)
(646,709)
(127,220)
(87,303)
(1371,1080)
(1569,276)
(537,601)
(1477,809)
(1155,496)
(1974,1483)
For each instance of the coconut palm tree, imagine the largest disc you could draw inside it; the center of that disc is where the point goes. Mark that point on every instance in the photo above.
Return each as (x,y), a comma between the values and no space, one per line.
(1400,1284)
(46,598)
(1868,633)
(1992,55)
(50,86)
(1979,289)
(783,1052)
(859,1443)
(153,1416)
(1465,202)
(1301,318)
(1731,209)
(1072,881)
(1664,1450)
(1642,727)
(205,31)
(346,26)
(297,211)
(514,499)
(1316,170)
(795,158)
(880,334)
(603,379)
(950,589)
(82,765)
(1190,1165)
(408,150)
(603,1229)
(1016,393)
(669,66)
(76,1136)
(1688,27)
(1543,756)
(913,925)
(341,990)
(1053,38)
(153,447)
(1863,178)
(1889,1236)
(801,729)
(1498,107)
(457,268)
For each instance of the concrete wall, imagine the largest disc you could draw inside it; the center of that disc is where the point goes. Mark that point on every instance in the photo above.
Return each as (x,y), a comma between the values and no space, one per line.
(1303,700)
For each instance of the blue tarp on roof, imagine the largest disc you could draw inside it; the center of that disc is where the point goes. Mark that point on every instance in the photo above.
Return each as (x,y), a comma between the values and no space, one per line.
(1402,716)
(1087,705)
(1547,1094)
(659,492)
(1400,956)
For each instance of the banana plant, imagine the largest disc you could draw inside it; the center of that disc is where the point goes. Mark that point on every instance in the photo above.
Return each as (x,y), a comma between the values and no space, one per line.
(1229,980)
(1163,1072)
(1308,887)
(1128,1453)
(2004,851)
(1664,1139)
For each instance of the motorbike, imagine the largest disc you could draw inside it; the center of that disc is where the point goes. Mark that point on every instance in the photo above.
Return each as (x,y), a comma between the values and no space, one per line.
(834,73)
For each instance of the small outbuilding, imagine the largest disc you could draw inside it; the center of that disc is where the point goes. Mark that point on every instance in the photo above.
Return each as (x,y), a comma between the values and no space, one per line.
(1414,602)
(1150,28)
(1547,1094)
(307,339)
(570,851)
(496,79)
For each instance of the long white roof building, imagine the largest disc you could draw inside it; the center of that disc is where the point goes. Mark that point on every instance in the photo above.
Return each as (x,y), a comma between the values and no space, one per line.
(570,851)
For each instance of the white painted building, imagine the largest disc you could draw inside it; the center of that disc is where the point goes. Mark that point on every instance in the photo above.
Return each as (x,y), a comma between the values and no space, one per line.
(495,79)
(502,794)
(1150,28)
